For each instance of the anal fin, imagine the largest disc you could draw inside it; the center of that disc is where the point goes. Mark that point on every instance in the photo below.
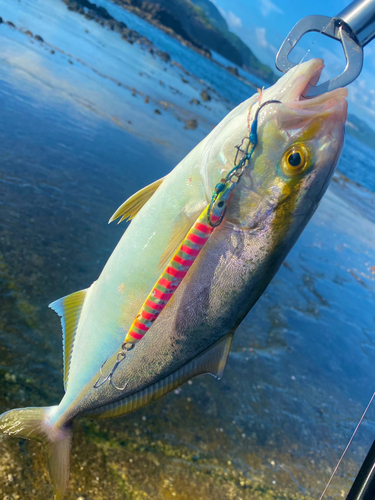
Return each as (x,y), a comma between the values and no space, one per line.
(69,309)
(212,361)
(129,209)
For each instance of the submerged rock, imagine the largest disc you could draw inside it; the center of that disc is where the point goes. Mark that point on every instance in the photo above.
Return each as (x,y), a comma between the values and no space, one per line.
(205,96)
(164,56)
(119,27)
(110,24)
(233,70)
(191,124)
(89,15)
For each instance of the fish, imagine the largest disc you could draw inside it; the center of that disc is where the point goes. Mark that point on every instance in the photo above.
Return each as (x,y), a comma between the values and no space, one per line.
(299,144)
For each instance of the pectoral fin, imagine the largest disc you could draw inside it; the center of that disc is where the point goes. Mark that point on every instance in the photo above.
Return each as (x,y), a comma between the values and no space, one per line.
(181,227)
(129,209)
(212,361)
(179,232)
(69,309)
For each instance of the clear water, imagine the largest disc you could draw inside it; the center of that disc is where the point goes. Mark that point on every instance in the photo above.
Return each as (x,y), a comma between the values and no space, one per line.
(76,139)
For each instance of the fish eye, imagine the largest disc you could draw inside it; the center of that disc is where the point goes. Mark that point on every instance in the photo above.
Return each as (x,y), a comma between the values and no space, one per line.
(295,160)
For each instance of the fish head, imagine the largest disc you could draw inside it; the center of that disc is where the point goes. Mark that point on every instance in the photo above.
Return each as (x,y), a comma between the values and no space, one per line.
(299,144)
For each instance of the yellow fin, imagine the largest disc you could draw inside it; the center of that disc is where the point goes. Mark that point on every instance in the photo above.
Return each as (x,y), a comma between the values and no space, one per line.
(129,209)
(33,423)
(69,309)
(211,361)
(180,229)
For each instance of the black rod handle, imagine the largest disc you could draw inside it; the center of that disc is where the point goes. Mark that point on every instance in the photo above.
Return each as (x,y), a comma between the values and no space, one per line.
(364,485)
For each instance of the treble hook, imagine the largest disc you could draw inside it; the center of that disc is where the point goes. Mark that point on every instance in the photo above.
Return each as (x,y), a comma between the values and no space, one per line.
(121,355)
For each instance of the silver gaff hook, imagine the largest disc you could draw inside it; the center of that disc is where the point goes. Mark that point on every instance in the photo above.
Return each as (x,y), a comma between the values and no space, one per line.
(353,27)
(121,355)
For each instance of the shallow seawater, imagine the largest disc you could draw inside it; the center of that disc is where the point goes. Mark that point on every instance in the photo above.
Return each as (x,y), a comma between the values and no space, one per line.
(76,139)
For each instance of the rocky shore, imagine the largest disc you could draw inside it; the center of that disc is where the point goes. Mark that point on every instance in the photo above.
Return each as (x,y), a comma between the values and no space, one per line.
(100,15)
(154,14)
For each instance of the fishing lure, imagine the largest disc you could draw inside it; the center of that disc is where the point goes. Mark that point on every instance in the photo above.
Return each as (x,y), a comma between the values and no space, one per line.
(188,251)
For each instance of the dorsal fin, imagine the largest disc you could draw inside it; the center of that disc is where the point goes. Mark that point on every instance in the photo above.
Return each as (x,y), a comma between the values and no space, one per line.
(129,209)
(212,361)
(69,309)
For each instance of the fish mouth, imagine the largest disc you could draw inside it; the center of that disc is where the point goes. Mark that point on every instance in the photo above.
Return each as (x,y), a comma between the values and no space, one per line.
(305,76)
(296,109)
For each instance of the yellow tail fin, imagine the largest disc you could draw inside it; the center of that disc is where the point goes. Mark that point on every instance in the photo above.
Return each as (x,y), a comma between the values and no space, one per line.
(33,423)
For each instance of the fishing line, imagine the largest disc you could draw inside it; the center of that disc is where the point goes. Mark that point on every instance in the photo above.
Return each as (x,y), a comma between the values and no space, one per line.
(309,49)
(314,41)
(347,447)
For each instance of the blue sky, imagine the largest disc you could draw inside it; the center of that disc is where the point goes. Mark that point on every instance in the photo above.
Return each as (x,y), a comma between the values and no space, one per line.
(264,24)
